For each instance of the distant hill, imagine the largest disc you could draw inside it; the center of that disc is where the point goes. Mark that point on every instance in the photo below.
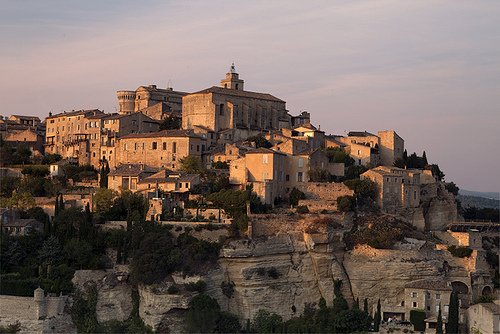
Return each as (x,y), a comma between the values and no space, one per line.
(478,202)
(490,195)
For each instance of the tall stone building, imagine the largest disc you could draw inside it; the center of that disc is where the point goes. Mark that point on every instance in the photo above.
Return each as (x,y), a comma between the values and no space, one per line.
(88,136)
(150,100)
(229,107)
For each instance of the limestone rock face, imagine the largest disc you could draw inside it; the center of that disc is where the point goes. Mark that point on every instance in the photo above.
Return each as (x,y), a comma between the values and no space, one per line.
(156,309)
(439,207)
(114,299)
(376,273)
(278,273)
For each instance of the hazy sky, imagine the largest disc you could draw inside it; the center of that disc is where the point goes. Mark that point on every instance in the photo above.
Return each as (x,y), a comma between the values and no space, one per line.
(430,70)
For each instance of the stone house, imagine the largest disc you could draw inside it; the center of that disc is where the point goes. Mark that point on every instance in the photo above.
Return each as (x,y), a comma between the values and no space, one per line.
(55,168)
(31,121)
(22,226)
(484,318)
(387,144)
(30,137)
(163,149)
(396,187)
(363,155)
(168,181)
(127,176)
(231,107)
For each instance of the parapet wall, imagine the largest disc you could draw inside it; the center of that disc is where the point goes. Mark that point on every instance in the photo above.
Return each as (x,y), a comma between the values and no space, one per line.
(26,308)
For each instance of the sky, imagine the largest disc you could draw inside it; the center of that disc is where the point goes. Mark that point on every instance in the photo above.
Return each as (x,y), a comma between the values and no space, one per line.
(430,70)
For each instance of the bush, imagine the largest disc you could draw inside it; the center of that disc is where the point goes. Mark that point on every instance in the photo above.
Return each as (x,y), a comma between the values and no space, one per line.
(417,318)
(346,203)
(459,251)
(199,286)
(295,196)
(302,209)
(172,290)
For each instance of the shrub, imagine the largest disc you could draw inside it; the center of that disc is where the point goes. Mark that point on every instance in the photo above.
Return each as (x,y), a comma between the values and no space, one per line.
(199,286)
(273,273)
(346,203)
(172,290)
(295,196)
(459,251)
(417,318)
(302,209)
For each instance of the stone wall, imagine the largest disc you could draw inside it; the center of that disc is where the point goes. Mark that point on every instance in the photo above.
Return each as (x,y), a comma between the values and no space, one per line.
(324,190)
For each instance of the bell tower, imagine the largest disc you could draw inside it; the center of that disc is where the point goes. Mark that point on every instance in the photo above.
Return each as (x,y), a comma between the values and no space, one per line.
(232,81)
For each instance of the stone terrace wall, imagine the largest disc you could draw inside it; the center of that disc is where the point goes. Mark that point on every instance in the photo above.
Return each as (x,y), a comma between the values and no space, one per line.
(324,190)
(25,308)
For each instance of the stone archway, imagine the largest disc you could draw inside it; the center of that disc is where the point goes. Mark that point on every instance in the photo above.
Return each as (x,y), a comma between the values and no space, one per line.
(460,287)
(486,290)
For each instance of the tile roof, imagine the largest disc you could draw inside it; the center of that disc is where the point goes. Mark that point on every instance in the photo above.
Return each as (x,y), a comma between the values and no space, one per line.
(164,133)
(132,169)
(238,93)
(431,284)
(360,134)
(22,223)
(264,150)
(75,113)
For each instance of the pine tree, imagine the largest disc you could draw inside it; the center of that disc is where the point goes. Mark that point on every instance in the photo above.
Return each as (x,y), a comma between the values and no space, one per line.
(452,326)
(439,325)
(377,318)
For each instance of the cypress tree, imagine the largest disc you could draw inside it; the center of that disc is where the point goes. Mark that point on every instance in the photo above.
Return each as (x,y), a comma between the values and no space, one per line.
(56,208)
(61,203)
(365,306)
(355,306)
(424,159)
(452,326)
(377,318)
(439,325)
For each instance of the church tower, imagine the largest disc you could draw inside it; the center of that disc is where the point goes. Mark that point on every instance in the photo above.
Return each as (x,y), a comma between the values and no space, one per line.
(232,81)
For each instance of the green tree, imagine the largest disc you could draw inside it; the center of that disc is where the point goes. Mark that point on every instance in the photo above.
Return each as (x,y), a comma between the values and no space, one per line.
(50,253)
(78,253)
(295,196)
(355,306)
(103,181)
(227,323)
(365,306)
(338,155)
(439,324)
(377,318)
(265,322)
(346,203)
(452,326)
(103,202)
(417,318)
(171,123)
(192,165)
(202,314)
(339,303)
(260,141)
(319,174)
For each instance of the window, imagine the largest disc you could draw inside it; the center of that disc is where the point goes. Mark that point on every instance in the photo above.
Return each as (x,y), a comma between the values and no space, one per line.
(428,308)
(287,177)
(264,176)
(174,147)
(414,195)
(154,145)
(221,109)
(414,295)
(264,159)
(198,148)
(301,162)
(164,146)
(136,146)
(414,304)
(438,296)
(143,146)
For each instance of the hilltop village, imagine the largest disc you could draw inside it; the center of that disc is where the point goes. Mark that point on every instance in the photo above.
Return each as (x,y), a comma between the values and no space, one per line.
(219,210)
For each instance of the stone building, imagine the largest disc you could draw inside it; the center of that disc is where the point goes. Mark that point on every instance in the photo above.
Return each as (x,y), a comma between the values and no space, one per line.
(22,226)
(396,187)
(484,318)
(30,137)
(150,100)
(385,147)
(127,176)
(158,149)
(230,107)
(88,136)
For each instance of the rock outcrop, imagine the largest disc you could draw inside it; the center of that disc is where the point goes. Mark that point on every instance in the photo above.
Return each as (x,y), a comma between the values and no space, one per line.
(114,299)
